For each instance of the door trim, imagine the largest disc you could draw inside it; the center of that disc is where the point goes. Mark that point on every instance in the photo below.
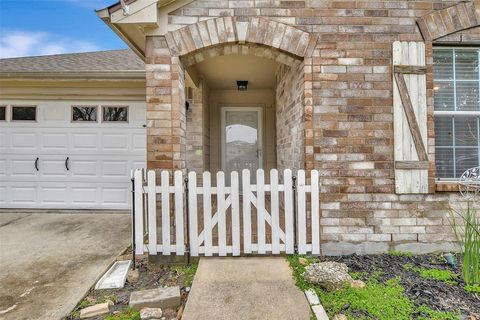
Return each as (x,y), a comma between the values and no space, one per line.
(260,132)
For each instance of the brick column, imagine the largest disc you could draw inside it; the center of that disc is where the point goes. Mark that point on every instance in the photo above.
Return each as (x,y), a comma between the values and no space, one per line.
(166,120)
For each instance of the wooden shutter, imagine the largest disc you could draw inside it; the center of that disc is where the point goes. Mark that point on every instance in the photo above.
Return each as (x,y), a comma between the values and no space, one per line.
(410,117)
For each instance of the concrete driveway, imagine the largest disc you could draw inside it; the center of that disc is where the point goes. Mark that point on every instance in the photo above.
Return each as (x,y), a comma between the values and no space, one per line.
(48,261)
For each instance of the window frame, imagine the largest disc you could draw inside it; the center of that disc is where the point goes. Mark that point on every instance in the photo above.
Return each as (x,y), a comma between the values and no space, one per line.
(103,107)
(453,113)
(22,106)
(85,106)
(6,113)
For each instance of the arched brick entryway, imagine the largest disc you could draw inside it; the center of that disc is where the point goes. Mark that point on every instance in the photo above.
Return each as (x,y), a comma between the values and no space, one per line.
(169,55)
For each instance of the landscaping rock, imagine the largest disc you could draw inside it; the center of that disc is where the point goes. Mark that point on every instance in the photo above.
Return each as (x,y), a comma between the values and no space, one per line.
(155,298)
(303,261)
(330,275)
(340,317)
(132,276)
(319,312)
(94,310)
(150,313)
(358,284)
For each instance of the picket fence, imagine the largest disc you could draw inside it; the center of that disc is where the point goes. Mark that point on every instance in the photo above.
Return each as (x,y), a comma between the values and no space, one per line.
(184,206)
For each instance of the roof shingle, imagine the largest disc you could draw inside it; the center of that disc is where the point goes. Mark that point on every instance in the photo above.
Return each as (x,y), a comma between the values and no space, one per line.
(100,61)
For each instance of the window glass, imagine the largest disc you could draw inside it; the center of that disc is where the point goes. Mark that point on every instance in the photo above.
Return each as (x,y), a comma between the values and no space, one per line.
(24,113)
(115,113)
(3,113)
(457,110)
(84,113)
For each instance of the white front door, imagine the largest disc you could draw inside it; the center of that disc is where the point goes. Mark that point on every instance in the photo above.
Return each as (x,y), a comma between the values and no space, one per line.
(241,140)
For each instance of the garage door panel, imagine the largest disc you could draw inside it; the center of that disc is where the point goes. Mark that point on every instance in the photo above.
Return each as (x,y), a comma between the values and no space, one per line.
(23,195)
(55,141)
(117,196)
(54,195)
(84,195)
(3,195)
(139,142)
(23,168)
(117,169)
(3,141)
(24,141)
(83,168)
(3,168)
(118,142)
(81,141)
(53,168)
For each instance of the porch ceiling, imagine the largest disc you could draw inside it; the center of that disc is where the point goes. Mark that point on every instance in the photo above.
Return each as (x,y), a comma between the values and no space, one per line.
(222,72)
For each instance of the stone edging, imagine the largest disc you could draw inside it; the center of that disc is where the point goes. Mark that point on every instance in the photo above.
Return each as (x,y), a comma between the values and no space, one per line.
(317,308)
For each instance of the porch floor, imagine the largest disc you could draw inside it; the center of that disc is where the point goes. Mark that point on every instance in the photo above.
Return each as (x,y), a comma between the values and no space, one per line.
(245,288)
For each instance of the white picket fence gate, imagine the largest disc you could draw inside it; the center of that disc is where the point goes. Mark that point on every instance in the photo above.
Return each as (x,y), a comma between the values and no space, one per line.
(192,204)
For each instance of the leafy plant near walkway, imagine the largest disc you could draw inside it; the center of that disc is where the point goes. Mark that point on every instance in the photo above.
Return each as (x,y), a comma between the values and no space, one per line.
(382,301)
(468,234)
(126,314)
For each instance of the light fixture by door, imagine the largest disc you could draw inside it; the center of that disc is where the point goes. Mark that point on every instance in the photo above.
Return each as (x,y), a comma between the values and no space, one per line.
(242,85)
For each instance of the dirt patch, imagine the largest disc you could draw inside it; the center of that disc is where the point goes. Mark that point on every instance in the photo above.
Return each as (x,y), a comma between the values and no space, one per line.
(436,294)
(150,277)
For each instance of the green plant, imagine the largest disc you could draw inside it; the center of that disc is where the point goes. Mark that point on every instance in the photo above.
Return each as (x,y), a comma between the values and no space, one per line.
(472,288)
(468,234)
(400,253)
(187,272)
(446,276)
(425,313)
(126,314)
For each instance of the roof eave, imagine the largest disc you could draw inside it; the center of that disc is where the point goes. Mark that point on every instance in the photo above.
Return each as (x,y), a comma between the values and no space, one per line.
(76,75)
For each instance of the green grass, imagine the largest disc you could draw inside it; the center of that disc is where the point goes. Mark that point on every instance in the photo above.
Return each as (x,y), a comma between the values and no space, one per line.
(445,276)
(126,314)
(187,272)
(472,288)
(400,254)
(381,301)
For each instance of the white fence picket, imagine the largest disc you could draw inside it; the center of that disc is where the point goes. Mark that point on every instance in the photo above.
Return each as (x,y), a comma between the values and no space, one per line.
(179,225)
(261,211)
(235,214)
(221,213)
(192,213)
(275,212)
(152,213)
(282,239)
(301,214)
(139,212)
(247,212)
(207,213)
(315,213)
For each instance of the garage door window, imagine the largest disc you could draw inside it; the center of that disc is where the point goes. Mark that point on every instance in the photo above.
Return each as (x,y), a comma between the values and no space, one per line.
(84,113)
(3,113)
(115,113)
(24,113)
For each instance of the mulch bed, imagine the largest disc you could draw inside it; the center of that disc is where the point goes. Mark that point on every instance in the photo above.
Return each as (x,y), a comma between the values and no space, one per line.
(433,293)
(150,277)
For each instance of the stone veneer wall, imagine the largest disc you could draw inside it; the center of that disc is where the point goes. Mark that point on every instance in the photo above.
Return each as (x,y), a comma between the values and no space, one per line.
(290,121)
(351,127)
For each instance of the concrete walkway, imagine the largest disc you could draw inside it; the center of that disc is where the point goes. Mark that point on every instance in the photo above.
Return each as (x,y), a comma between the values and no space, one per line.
(245,288)
(48,261)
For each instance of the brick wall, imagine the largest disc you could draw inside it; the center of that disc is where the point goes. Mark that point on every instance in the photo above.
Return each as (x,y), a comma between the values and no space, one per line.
(290,120)
(349,132)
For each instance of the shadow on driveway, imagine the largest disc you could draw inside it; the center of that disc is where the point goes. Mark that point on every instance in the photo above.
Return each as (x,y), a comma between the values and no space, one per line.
(48,261)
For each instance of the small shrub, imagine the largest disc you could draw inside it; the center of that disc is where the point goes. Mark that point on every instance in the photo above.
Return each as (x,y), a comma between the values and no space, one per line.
(400,254)
(187,272)
(445,276)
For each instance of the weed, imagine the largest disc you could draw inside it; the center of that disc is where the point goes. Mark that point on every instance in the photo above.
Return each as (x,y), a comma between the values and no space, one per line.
(445,276)
(400,253)
(187,272)
(425,313)
(472,288)
(126,314)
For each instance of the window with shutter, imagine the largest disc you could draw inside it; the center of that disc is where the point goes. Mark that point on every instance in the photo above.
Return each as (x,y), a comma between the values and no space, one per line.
(457,110)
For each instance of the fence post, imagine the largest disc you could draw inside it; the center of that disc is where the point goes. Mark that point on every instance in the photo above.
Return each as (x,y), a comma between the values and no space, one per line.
(187,220)
(133,220)
(294,187)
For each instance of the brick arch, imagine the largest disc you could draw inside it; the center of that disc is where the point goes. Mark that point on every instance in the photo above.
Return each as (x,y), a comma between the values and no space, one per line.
(255,30)
(245,49)
(443,22)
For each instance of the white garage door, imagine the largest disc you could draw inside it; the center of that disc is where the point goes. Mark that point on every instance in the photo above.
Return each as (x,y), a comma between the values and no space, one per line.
(71,156)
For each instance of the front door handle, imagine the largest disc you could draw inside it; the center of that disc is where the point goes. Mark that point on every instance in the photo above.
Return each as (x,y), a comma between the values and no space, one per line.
(66,163)
(36,164)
